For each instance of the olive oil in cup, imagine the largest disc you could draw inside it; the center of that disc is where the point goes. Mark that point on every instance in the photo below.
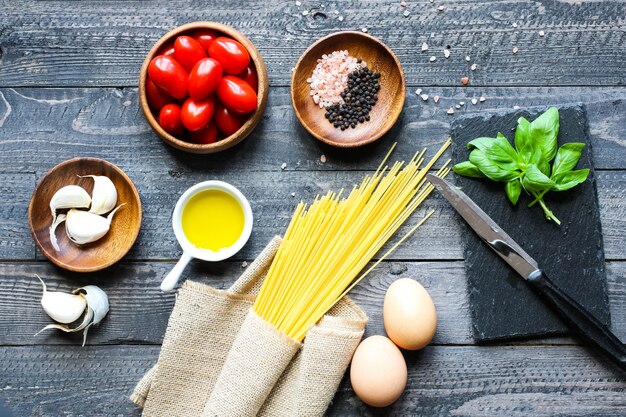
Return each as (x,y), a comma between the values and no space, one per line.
(212,221)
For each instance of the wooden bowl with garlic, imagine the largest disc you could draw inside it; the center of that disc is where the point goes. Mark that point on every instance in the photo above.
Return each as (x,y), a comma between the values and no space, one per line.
(85,214)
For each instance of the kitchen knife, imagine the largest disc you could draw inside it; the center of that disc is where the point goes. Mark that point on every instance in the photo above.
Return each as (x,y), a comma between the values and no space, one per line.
(572,313)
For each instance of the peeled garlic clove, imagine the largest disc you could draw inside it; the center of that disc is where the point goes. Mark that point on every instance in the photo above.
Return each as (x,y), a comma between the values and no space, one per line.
(70,196)
(83,227)
(97,301)
(62,307)
(53,237)
(104,195)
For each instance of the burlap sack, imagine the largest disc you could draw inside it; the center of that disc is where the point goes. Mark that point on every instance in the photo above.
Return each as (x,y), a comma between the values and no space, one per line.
(267,373)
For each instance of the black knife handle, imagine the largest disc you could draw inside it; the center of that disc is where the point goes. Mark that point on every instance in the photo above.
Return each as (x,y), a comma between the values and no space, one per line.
(579,319)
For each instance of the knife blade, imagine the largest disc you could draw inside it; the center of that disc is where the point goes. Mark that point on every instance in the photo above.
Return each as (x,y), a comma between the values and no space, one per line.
(573,314)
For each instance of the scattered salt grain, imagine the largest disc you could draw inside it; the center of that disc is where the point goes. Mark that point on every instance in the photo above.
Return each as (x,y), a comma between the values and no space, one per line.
(424,97)
(473,67)
(457,106)
(467,58)
(336,11)
(514,25)
(474,101)
(515,49)
(284,165)
(461,103)
(436,99)
(450,110)
(482,99)
(515,107)
(446,53)
(305,12)
(424,47)
(244,264)
(403,3)
(323,159)
(298,3)
(418,91)
(433,58)
(364,30)
(406,13)
(464,80)
(293,194)
(340,18)
(441,8)
(542,33)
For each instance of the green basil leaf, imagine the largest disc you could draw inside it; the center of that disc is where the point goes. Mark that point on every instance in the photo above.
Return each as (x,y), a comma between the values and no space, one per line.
(467,169)
(544,131)
(513,190)
(570,179)
(502,152)
(540,162)
(522,134)
(536,181)
(480,143)
(567,157)
(491,168)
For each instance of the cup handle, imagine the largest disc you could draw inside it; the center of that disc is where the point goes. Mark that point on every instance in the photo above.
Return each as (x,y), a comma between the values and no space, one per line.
(170,280)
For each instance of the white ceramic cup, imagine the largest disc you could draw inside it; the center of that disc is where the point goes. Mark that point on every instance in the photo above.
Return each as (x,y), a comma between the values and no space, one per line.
(191,251)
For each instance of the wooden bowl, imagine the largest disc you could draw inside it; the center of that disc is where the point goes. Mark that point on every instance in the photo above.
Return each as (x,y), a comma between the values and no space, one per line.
(253,118)
(390,97)
(103,252)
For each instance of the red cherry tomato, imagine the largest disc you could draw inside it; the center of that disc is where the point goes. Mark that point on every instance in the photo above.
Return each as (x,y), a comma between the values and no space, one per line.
(205,37)
(204,78)
(196,114)
(206,135)
(169,119)
(236,95)
(167,74)
(167,49)
(233,56)
(249,75)
(188,51)
(156,97)
(227,122)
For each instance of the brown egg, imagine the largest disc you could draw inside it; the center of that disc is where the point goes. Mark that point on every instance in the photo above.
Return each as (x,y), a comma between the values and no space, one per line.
(409,314)
(378,372)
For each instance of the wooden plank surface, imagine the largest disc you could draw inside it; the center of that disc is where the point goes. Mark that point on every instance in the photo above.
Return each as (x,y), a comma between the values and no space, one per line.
(443,380)
(140,311)
(104,43)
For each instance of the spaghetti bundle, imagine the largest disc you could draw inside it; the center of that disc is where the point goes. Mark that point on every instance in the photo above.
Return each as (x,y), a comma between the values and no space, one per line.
(328,243)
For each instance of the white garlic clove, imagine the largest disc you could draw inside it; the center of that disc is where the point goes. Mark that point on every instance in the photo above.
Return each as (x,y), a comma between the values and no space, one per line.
(70,196)
(104,195)
(86,323)
(97,301)
(84,227)
(53,237)
(62,307)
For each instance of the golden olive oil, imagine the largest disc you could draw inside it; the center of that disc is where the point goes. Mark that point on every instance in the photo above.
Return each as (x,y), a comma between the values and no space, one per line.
(213,220)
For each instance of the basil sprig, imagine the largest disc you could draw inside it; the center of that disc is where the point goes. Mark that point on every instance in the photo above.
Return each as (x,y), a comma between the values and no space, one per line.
(527,166)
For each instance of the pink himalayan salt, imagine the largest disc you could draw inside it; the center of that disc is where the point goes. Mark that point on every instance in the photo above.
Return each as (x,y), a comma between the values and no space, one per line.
(330,77)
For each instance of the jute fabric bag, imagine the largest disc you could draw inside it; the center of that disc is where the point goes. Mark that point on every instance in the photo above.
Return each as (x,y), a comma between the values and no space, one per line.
(220,359)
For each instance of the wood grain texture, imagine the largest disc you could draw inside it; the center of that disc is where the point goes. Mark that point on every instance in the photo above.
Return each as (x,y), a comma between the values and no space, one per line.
(140,311)
(443,380)
(124,227)
(103,43)
(384,113)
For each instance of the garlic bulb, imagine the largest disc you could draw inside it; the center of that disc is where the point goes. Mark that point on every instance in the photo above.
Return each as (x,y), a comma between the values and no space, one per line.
(70,196)
(95,305)
(84,227)
(53,228)
(60,306)
(104,195)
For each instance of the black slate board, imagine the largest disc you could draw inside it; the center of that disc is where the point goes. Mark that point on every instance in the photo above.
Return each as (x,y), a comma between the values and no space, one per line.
(572,255)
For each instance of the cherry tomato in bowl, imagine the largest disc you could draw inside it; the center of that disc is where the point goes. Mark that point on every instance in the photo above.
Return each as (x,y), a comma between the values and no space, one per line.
(169,75)
(204,78)
(249,75)
(236,95)
(157,98)
(188,51)
(233,56)
(205,37)
(227,122)
(205,135)
(170,120)
(196,114)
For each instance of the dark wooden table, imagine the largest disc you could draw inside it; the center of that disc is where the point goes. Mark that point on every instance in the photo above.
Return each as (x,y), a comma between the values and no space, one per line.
(68,76)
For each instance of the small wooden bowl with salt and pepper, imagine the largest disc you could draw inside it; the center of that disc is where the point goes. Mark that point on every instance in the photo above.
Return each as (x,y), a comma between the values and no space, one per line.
(378,78)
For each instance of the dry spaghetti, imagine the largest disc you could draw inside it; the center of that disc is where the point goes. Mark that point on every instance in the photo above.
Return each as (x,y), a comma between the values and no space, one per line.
(328,243)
